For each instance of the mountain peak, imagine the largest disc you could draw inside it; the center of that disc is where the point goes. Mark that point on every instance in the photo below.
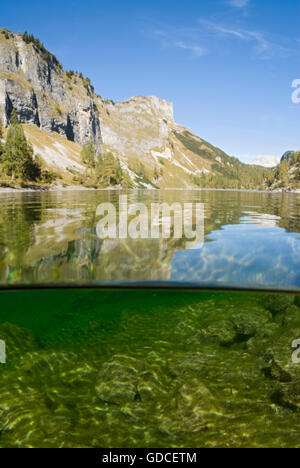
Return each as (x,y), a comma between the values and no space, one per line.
(266,161)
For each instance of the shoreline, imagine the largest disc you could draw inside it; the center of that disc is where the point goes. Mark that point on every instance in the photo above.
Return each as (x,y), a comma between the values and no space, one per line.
(75,188)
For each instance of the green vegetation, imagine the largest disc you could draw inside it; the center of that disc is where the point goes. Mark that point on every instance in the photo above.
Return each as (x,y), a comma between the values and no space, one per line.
(70,74)
(141,171)
(88,154)
(283,172)
(195,146)
(17,160)
(103,170)
(1,138)
(174,368)
(6,33)
(58,108)
(109,169)
(287,174)
(143,177)
(229,172)
(295,158)
(39,46)
(86,81)
(88,84)
(239,176)
(17,156)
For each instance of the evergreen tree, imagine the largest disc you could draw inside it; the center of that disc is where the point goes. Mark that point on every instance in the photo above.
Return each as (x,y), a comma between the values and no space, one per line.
(109,174)
(17,156)
(109,171)
(284,172)
(14,118)
(1,138)
(88,154)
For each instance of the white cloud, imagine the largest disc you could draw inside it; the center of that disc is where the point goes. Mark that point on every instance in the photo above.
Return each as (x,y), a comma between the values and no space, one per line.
(181,40)
(208,37)
(238,3)
(262,46)
(197,50)
(266,161)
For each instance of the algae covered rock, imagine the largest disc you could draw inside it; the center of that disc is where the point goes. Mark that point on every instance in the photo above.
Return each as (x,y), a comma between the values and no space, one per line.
(297,301)
(275,372)
(221,333)
(125,379)
(277,304)
(194,402)
(288,396)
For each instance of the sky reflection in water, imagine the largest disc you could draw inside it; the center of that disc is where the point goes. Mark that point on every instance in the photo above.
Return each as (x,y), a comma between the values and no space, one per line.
(251,240)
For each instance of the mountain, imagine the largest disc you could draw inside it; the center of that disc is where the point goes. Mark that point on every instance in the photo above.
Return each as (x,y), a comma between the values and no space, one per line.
(60,113)
(286,176)
(266,161)
(288,156)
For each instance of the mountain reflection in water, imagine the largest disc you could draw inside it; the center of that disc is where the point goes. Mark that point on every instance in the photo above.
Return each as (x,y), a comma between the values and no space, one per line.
(251,240)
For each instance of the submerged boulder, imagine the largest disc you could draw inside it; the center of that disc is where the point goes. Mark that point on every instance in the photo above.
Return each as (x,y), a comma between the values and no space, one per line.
(125,379)
(277,304)
(275,372)
(193,403)
(288,396)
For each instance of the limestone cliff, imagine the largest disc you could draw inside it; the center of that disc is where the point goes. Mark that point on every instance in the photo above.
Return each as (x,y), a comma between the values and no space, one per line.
(33,82)
(142,130)
(60,112)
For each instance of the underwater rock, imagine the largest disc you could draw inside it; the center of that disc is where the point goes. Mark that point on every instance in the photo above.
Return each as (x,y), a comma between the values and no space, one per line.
(185,367)
(194,402)
(222,333)
(246,327)
(275,372)
(288,396)
(291,317)
(297,301)
(125,379)
(228,333)
(277,304)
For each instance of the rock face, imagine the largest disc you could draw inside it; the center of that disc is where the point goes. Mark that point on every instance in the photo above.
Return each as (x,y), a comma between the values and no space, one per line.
(142,130)
(42,94)
(288,155)
(153,150)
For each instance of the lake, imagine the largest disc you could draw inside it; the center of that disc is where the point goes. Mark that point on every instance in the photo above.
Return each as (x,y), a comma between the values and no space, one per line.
(196,345)
(251,240)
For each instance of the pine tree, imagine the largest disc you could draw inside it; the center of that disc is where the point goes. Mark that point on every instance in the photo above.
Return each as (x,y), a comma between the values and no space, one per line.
(1,138)
(284,172)
(88,154)
(17,156)
(14,118)
(109,171)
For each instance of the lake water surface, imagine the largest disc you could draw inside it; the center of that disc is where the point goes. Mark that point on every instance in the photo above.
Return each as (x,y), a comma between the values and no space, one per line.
(251,240)
(98,367)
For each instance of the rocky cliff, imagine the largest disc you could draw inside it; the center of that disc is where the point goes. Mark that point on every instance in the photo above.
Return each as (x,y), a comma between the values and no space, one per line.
(35,85)
(61,112)
(142,130)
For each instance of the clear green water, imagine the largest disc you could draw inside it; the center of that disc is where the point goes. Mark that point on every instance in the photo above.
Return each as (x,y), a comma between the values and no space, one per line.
(91,368)
(149,368)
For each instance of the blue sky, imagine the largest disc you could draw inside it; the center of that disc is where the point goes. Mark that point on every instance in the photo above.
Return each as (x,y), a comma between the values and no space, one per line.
(227,65)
